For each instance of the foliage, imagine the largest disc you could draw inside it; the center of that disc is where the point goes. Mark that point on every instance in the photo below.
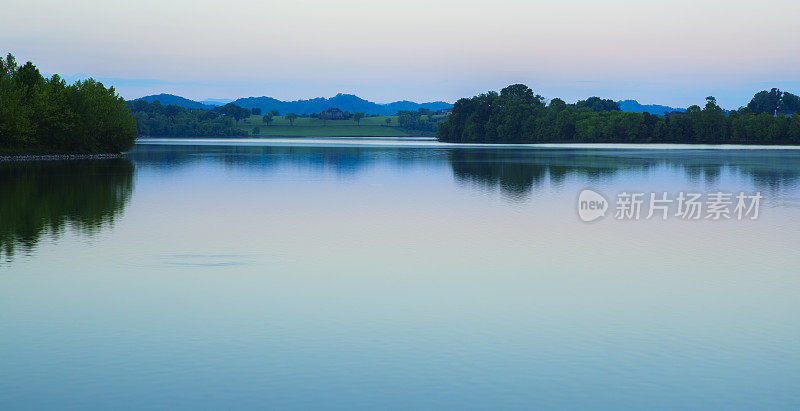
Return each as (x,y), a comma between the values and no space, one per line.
(420,120)
(516,115)
(47,115)
(153,119)
(598,104)
(234,111)
(774,102)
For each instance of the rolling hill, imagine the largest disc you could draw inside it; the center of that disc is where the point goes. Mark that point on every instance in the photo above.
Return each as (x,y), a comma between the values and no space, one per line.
(167,99)
(345,102)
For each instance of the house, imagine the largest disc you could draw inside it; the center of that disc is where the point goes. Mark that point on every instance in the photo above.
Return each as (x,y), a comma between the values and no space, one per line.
(444,111)
(333,113)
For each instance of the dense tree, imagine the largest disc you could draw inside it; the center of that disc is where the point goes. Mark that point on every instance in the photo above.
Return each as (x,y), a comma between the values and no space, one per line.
(766,101)
(256,111)
(775,102)
(414,120)
(291,117)
(597,104)
(47,115)
(154,119)
(233,111)
(268,118)
(790,104)
(516,115)
(275,113)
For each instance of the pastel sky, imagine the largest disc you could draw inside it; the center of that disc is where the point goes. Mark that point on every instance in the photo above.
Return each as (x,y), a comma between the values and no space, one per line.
(666,52)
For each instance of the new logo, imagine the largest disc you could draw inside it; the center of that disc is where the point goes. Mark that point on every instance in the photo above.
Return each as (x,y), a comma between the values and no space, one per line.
(591,205)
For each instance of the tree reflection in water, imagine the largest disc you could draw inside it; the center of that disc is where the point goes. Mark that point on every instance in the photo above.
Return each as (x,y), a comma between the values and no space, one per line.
(41,198)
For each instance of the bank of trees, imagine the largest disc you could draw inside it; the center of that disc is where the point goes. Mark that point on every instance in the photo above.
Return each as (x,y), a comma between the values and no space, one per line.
(155,119)
(420,120)
(46,115)
(517,115)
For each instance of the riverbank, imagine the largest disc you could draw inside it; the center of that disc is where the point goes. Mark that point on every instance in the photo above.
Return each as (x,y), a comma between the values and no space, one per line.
(431,142)
(50,157)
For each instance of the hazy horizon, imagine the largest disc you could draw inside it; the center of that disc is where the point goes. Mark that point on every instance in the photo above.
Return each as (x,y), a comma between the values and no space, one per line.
(654,52)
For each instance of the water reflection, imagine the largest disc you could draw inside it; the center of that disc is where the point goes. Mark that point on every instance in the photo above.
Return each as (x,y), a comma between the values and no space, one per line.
(516,172)
(287,275)
(342,160)
(41,198)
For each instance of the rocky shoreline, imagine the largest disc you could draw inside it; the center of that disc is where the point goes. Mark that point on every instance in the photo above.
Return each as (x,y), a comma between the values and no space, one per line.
(45,157)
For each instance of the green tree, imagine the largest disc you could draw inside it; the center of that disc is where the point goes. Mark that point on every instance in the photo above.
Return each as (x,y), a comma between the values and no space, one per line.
(357,116)
(291,117)
(48,116)
(517,115)
(790,104)
(597,104)
(766,101)
(268,118)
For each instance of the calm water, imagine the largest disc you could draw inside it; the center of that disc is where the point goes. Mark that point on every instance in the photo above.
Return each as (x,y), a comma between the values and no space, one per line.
(381,274)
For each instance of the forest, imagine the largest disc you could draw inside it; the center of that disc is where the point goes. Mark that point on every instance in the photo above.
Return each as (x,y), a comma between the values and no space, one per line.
(41,115)
(155,119)
(517,115)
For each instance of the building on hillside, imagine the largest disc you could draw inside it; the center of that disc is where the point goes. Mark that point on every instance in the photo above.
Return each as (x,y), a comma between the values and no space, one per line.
(333,113)
(444,111)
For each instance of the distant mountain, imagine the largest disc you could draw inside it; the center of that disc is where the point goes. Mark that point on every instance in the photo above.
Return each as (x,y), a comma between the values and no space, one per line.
(344,102)
(167,99)
(634,106)
(216,101)
(351,103)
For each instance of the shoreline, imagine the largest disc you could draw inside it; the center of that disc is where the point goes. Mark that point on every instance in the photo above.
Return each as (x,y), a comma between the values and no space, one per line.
(52,157)
(432,142)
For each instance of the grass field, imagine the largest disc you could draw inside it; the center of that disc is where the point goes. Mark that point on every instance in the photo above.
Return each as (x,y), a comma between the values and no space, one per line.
(313,127)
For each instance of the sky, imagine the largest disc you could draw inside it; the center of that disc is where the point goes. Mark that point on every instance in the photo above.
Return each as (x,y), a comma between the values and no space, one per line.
(673,52)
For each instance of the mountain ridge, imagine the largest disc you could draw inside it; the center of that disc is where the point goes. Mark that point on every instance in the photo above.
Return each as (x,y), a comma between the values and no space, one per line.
(167,99)
(352,103)
(345,102)
(636,107)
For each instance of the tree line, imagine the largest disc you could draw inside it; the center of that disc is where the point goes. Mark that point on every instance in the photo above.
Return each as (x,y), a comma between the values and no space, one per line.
(421,120)
(517,115)
(46,115)
(155,119)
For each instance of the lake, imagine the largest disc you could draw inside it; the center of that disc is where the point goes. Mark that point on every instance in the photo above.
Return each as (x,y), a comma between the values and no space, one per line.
(400,274)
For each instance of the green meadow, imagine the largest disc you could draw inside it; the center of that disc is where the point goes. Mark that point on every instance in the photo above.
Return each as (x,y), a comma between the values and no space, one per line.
(314,127)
